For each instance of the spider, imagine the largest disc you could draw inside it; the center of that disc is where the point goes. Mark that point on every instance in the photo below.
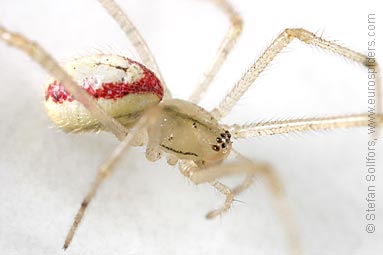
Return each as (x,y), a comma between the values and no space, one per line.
(222,133)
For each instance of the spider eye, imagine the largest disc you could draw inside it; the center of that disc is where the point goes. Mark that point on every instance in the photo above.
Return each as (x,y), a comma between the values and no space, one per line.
(215,147)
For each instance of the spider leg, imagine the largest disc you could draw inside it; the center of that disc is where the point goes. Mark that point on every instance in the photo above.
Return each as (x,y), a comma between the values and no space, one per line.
(247,182)
(108,166)
(223,51)
(228,193)
(135,38)
(202,175)
(40,56)
(301,125)
(189,169)
(286,37)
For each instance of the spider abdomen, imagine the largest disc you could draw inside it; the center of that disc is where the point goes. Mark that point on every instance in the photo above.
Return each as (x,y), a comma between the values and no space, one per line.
(123,88)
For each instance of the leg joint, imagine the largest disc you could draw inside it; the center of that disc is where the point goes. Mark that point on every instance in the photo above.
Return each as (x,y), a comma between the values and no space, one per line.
(299,33)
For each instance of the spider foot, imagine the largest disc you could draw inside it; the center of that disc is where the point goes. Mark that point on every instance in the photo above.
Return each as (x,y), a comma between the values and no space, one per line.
(227,205)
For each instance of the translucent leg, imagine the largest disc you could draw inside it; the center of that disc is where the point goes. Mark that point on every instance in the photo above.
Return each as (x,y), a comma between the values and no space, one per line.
(189,169)
(136,39)
(40,56)
(107,168)
(249,180)
(223,51)
(286,37)
(301,125)
(198,175)
(228,201)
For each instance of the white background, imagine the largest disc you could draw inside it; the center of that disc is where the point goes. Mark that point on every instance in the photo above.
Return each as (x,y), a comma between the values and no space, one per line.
(149,208)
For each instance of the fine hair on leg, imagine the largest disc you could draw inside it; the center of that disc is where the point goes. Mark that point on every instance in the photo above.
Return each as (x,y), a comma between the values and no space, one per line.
(211,174)
(223,51)
(40,56)
(285,38)
(134,36)
(302,125)
(107,168)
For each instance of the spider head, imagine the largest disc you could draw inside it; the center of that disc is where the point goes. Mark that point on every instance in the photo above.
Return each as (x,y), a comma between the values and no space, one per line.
(190,132)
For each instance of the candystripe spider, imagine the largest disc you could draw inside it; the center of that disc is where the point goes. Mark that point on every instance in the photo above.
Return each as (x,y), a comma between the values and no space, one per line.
(120,133)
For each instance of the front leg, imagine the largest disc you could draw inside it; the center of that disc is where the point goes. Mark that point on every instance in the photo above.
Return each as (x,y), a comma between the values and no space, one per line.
(202,175)
(228,201)
(188,168)
(276,47)
(304,125)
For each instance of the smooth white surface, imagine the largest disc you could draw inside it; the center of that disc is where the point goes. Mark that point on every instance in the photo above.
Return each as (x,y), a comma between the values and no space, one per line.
(149,208)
